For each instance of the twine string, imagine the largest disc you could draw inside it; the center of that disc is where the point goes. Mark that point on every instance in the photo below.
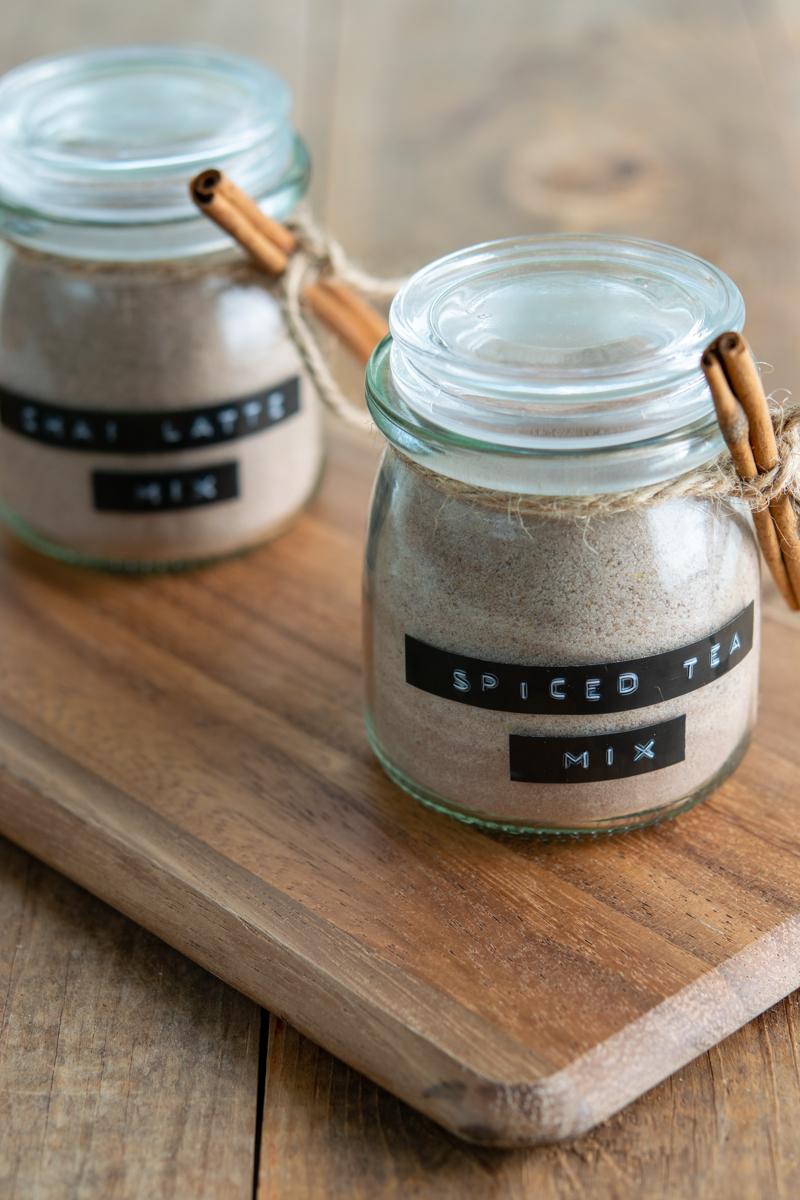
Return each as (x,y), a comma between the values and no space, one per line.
(319,253)
(328,254)
(716,480)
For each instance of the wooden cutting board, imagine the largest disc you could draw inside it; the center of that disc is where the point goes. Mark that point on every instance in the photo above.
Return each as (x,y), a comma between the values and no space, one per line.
(191,749)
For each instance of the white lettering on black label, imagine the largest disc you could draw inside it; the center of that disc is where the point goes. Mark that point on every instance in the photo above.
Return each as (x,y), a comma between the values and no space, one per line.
(600,688)
(149,432)
(603,756)
(164,491)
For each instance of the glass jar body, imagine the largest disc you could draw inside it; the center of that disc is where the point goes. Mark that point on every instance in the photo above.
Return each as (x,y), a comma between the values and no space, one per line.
(493,582)
(123,383)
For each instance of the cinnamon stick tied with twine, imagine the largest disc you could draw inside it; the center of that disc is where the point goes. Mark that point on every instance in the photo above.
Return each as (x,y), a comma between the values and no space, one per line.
(746,425)
(269,243)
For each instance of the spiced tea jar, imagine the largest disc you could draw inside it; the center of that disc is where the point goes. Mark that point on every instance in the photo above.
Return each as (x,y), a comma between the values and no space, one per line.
(153,410)
(559,635)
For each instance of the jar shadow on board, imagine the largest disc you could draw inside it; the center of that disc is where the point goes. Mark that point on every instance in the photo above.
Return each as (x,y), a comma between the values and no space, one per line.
(153,410)
(550,647)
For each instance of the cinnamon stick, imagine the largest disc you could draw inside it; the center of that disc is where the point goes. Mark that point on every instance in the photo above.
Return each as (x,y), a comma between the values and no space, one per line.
(212,183)
(238,224)
(356,322)
(735,429)
(360,337)
(362,309)
(746,382)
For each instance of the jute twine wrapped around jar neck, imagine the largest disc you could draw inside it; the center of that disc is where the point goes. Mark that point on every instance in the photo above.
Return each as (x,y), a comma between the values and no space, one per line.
(716,480)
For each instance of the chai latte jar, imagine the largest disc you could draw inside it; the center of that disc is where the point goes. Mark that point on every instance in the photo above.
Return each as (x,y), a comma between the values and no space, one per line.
(153,410)
(544,651)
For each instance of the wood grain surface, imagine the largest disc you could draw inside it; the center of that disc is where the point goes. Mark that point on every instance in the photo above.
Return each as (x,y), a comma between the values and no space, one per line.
(191,749)
(723,1128)
(440,123)
(125,1070)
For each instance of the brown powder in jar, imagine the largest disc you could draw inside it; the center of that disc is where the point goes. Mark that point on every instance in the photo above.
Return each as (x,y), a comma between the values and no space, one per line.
(475,579)
(150,337)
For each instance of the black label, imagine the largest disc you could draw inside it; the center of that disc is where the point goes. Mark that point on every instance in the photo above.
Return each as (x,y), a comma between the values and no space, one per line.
(602,688)
(604,756)
(164,491)
(149,432)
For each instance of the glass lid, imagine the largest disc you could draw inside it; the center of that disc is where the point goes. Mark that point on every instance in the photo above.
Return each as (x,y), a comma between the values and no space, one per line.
(114,135)
(558,341)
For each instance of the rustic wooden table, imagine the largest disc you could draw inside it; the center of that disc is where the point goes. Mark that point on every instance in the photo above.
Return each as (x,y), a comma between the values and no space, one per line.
(126,1070)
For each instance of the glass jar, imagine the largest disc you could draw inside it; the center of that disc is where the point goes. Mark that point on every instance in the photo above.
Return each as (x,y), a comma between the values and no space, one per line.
(545,652)
(154,410)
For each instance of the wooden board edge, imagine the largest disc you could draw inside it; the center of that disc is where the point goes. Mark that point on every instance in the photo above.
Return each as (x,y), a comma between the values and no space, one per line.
(139,863)
(616,1072)
(369,1036)
(479,1083)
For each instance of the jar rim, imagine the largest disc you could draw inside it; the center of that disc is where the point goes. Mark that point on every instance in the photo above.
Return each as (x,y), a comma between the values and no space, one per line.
(560,342)
(573,468)
(190,236)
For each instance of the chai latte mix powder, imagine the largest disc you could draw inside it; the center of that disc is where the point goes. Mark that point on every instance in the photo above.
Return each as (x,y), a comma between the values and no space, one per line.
(150,338)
